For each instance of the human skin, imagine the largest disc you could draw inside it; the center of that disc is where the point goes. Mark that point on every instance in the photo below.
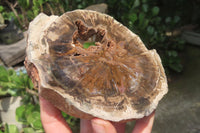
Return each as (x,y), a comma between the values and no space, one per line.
(53,122)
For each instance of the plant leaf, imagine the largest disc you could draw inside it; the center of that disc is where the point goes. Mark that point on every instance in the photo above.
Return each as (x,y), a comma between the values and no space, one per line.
(133,17)
(136,3)
(34,120)
(37,124)
(176,19)
(145,7)
(88,44)
(1,8)
(150,30)
(155,11)
(28,130)
(20,113)
(141,18)
(11,129)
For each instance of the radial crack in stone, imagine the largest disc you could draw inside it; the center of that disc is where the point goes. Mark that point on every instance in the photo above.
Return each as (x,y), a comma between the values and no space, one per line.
(116,78)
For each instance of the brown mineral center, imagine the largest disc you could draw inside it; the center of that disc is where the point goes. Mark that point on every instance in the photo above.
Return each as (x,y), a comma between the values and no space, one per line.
(116,78)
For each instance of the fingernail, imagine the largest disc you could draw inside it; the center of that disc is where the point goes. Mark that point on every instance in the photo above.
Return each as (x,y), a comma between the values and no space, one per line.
(97,127)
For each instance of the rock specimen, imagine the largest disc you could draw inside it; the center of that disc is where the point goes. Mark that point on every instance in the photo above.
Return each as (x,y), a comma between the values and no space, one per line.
(116,78)
(14,53)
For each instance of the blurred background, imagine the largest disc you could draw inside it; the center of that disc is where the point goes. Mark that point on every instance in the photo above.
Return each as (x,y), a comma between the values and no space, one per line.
(171,27)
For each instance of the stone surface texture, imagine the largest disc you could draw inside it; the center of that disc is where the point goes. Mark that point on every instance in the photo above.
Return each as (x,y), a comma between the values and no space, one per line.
(117,79)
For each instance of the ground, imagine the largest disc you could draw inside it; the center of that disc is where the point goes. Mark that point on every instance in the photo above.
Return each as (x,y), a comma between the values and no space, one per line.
(179,110)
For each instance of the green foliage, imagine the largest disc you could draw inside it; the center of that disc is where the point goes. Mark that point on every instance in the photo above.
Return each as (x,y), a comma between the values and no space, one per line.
(6,128)
(27,10)
(1,8)
(16,84)
(147,18)
(7,14)
(144,18)
(12,83)
(150,19)
(88,44)
(29,115)
(11,129)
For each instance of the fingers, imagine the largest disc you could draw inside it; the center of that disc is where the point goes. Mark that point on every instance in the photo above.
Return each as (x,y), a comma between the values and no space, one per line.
(86,126)
(52,120)
(144,125)
(103,126)
(120,127)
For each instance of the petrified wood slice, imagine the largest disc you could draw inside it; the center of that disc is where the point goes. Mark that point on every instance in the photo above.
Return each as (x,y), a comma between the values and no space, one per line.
(117,79)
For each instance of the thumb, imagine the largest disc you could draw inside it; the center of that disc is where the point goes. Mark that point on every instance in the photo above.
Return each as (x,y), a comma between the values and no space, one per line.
(102,126)
(51,117)
(145,124)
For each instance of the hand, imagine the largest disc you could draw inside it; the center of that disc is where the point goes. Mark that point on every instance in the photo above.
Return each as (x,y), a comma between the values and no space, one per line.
(53,122)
